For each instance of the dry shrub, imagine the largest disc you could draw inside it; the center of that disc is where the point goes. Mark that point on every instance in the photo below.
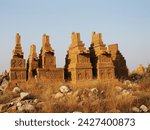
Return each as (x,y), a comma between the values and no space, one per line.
(108,99)
(125,103)
(143,97)
(7,97)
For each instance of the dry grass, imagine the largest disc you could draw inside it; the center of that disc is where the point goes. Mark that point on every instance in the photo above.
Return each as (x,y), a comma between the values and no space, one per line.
(107,100)
(7,97)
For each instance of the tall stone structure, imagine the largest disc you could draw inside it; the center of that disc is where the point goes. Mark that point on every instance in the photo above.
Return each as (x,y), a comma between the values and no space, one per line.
(47,63)
(18,65)
(32,64)
(81,64)
(103,67)
(121,70)
(78,66)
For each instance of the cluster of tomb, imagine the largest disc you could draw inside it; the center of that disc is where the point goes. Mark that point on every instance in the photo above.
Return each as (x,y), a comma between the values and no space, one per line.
(99,62)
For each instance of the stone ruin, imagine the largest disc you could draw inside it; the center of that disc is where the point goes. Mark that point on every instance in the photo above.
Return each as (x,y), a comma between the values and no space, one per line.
(99,62)
(121,70)
(44,67)
(78,66)
(103,67)
(47,63)
(18,63)
(32,63)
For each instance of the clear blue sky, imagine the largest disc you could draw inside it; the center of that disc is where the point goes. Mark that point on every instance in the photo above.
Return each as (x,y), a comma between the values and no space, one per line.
(126,22)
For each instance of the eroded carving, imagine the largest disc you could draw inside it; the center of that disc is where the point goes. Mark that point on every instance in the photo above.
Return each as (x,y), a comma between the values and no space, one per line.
(77,60)
(18,69)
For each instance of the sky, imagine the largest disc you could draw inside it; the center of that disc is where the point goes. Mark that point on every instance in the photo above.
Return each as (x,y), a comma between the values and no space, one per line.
(126,22)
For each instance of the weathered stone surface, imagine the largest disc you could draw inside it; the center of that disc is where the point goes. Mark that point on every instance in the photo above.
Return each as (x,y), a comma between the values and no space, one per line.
(27,108)
(25,95)
(127,82)
(32,64)
(35,101)
(125,92)
(121,70)
(47,63)
(4,83)
(135,109)
(81,64)
(17,66)
(103,67)
(94,90)
(19,104)
(144,108)
(78,66)
(58,95)
(64,89)
(16,90)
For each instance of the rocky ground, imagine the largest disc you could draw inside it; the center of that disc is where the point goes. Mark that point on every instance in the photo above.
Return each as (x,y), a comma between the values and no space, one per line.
(93,96)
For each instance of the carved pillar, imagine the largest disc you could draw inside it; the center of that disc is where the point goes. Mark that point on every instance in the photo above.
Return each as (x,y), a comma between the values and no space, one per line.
(18,65)
(78,66)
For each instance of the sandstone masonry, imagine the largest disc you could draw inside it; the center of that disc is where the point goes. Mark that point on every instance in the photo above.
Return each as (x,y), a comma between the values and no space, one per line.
(99,62)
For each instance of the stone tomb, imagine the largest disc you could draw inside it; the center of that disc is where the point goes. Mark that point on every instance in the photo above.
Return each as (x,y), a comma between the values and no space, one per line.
(18,63)
(103,67)
(32,64)
(47,63)
(81,64)
(78,66)
(121,70)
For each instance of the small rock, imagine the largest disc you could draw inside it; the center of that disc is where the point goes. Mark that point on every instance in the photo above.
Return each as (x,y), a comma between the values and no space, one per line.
(27,108)
(4,84)
(102,92)
(35,101)
(64,89)
(135,109)
(144,108)
(19,104)
(25,96)
(30,108)
(127,82)
(11,104)
(58,95)
(94,91)
(16,90)
(21,109)
(125,92)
